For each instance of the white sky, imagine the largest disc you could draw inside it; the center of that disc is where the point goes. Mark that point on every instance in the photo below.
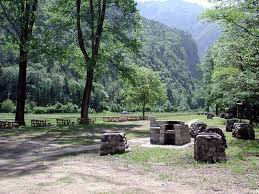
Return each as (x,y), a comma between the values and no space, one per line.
(203,3)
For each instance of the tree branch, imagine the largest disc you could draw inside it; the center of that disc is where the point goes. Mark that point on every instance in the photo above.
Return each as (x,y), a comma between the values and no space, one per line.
(79,30)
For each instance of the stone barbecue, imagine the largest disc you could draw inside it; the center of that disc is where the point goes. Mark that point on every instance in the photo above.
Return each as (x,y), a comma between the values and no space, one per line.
(169,132)
(114,143)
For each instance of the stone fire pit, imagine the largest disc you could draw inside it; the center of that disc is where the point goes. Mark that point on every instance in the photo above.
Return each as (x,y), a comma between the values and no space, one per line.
(169,132)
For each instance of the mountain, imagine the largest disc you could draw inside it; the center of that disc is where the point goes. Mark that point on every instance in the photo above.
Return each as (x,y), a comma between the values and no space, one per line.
(174,54)
(182,15)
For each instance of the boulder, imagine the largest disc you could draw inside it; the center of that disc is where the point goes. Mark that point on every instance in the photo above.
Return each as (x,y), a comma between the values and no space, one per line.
(218,131)
(210,115)
(114,143)
(196,128)
(222,115)
(243,131)
(230,123)
(209,147)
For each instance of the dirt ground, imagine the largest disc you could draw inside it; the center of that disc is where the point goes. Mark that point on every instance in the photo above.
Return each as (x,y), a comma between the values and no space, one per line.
(30,165)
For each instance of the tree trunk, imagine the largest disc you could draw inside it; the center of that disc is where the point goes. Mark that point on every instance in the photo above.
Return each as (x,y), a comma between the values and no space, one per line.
(86,97)
(21,87)
(217,109)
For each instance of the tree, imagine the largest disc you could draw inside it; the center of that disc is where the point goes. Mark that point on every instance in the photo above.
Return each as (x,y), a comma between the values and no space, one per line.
(234,76)
(105,21)
(144,88)
(17,17)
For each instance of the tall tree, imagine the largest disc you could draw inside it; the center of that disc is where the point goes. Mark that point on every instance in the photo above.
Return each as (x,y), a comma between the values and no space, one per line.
(105,21)
(17,17)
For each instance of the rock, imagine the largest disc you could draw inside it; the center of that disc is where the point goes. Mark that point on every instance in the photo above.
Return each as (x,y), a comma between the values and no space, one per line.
(218,131)
(209,147)
(243,131)
(222,115)
(114,143)
(196,128)
(230,123)
(210,115)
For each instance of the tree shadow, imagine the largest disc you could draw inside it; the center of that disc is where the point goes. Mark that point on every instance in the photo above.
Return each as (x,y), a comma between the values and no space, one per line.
(33,150)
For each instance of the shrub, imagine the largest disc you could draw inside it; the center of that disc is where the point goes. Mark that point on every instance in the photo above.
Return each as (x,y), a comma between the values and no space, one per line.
(91,110)
(39,110)
(8,106)
(58,107)
(69,108)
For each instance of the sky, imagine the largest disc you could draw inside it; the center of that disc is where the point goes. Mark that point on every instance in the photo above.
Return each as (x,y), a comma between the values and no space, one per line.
(203,3)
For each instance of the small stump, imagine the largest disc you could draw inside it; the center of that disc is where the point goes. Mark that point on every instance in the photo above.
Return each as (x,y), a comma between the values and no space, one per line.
(210,115)
(114,143)
(196,128)
(230,123)
(218,131)
(209,147)
(243,131)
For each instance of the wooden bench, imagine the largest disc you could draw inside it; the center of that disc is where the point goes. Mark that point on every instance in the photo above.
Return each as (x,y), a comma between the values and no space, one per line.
(39,123)
(8,124)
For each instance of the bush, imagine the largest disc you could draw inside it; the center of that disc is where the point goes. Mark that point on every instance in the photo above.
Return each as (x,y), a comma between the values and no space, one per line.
(69,108)
(57,108)
(8,106)
(91,110)
(39,110)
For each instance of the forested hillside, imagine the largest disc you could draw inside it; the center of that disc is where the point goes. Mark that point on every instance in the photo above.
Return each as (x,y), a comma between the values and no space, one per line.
(182,15)
(50,80)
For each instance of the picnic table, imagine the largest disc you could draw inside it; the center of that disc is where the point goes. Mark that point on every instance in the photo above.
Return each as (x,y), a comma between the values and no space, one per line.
(64,122)
(8,124)
(39,123)
(86,120)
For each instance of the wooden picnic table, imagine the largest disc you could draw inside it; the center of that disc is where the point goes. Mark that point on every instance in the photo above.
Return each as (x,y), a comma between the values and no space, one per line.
(8,124)
(86,120)
(39,123)
(64,121)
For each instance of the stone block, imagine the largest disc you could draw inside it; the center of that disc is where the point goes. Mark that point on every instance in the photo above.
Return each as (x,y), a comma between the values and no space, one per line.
(230,123)
(209,147)
(218,131)
(243,131)
(114,143)
(196,128)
